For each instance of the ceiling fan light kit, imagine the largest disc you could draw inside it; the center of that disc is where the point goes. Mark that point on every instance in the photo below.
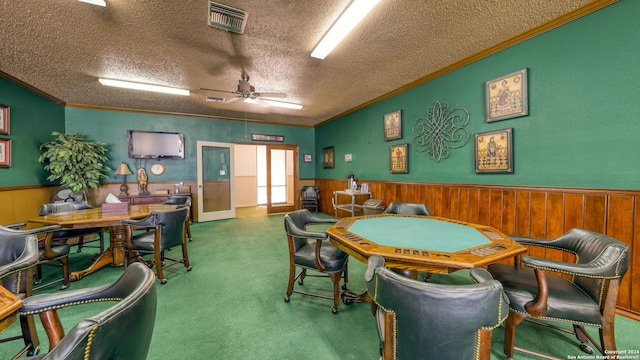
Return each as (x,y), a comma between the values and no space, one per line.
(347,21)
(144,87)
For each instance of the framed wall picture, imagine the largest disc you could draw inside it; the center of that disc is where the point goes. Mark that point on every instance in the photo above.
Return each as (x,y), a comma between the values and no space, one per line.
(506,97)
(5,153)
(393,126)
(4,119)
(494,151)
(399,158)
(308,158)
(328,158)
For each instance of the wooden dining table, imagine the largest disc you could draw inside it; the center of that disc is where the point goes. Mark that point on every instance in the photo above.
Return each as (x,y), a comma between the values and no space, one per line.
(9,305)
(95,217)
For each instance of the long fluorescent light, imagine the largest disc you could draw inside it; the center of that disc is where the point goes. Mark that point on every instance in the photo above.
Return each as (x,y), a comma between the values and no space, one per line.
(145,87)
(95,2)
(347,21)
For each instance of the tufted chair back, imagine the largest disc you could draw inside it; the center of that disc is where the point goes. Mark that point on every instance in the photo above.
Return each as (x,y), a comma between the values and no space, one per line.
(122,331)
(420,320)
(407,209)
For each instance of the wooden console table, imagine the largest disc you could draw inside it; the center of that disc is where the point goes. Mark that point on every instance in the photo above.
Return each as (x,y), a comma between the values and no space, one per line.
(149,199)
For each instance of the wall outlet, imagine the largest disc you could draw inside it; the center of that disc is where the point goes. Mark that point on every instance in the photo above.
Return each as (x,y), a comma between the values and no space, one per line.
(348,157)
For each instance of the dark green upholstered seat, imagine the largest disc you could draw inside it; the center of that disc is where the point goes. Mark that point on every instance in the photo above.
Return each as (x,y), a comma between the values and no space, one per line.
(167,229)
(587,297)
(311,250)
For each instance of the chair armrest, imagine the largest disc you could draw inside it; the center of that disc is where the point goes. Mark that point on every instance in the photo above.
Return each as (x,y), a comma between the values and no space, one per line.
(15,226)
(604,266)
(40,303)
(29,255)
(525,240)
(148,222)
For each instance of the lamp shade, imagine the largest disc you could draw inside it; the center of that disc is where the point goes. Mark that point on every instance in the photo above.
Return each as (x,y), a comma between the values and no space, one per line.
(123,169)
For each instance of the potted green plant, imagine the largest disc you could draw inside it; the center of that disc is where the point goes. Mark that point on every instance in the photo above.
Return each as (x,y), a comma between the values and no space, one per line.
(76,162)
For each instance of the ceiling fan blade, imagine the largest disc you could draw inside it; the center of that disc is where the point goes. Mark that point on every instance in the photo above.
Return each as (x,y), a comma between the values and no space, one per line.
(222,91)
(271,94)
(261,102)
(230,100)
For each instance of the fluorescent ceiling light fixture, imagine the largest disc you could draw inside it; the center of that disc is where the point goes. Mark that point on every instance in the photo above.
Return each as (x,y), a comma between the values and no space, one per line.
(145,87)
(95,2)
(347,21)
(283,104)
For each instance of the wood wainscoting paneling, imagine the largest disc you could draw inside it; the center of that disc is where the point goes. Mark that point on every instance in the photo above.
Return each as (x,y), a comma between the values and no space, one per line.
(541,212)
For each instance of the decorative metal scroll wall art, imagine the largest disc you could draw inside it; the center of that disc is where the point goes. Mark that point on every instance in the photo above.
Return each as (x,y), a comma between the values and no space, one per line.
(441,130)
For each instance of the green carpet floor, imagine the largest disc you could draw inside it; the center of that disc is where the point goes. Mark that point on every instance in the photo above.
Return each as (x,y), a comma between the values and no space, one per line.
(230,306)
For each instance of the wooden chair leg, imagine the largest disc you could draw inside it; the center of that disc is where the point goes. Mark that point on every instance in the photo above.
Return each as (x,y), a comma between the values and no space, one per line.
(335,278)
(158,257)
(65,272)
(30,335)
(514,319)
(185,256)
(292,276)
(484,352)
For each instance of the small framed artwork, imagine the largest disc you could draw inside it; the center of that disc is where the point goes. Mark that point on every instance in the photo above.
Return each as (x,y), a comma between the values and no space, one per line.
(399,158)
(506,97)
(307,158)
(393,126)
(4,119)
(5,153)
(328,158)
(494,151)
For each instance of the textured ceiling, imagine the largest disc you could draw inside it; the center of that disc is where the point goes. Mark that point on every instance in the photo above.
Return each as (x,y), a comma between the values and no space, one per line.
(61,47)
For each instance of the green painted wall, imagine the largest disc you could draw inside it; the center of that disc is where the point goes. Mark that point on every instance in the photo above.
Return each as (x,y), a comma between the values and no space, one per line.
(32,119)
(582,129)
(111,128)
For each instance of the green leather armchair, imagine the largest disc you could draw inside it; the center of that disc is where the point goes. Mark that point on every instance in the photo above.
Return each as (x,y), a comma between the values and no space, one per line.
(421,320)
(311,250)
(586,298)
(167,229)
(122,331)
(18,255)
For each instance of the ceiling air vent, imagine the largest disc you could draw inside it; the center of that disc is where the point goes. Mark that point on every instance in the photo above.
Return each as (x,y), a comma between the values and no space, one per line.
(227,18)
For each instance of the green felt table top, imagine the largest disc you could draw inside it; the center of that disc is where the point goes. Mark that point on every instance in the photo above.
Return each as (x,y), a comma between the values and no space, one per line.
(418,233)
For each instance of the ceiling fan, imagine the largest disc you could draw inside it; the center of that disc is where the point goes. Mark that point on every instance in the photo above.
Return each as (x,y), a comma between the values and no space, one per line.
(246,92)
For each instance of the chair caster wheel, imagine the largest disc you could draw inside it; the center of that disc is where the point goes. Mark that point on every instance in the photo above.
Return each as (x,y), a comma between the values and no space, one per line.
(64,286)
(334,310)
(189,268)
(344,286)
(163,281)
(586,348)
(287,298)
(33,351)
(300,282)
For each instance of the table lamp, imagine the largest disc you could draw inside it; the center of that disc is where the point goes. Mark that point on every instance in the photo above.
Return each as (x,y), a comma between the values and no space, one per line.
(123,169)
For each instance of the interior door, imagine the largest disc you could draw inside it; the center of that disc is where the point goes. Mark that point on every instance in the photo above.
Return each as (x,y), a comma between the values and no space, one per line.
(282,178)
(216,198)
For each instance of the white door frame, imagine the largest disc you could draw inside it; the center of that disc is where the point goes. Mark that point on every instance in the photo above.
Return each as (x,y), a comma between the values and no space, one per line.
(222,214)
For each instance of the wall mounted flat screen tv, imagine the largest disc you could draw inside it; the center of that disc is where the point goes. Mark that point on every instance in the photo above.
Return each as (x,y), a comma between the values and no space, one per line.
(155,144)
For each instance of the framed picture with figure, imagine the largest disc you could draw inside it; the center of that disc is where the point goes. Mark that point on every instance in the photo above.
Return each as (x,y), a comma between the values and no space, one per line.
(494,151)
(399,158)
(393,125)
(506,97)
(4,119)
(5,153)
(328,158)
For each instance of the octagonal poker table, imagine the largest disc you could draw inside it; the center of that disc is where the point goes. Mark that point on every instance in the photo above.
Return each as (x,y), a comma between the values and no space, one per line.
(431,244)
